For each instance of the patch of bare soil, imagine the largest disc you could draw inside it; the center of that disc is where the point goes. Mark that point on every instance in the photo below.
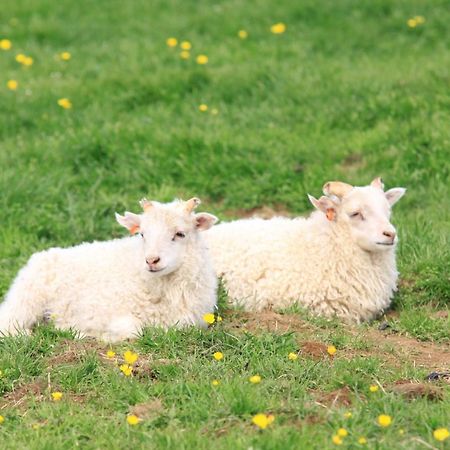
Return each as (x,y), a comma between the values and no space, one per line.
(266,320)
(262,212)
(412,390)
(339,397)
(71,351)
(148,410)
(315,350)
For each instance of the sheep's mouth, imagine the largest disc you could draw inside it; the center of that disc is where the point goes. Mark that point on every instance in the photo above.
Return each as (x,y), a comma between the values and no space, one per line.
(155,270)
(385,243)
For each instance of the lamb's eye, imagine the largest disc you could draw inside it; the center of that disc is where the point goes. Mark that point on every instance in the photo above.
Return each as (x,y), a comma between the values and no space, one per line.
(179,234)
(142,234)
(355,214)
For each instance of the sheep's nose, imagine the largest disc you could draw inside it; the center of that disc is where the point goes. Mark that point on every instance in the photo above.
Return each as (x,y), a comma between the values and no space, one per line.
(153,260)
(389,234)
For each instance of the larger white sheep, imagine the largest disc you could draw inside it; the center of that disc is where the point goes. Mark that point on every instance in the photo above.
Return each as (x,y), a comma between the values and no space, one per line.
(338,262)
(162,276)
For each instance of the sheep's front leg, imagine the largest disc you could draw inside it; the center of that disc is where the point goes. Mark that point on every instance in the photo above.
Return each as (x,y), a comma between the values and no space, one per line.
(121,328)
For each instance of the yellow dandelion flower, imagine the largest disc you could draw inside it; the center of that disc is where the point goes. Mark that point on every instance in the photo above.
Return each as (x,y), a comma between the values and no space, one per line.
(110,354)
(202,59)
(130,357)
(331,350)
(132,419)
(1,373)
(126,369)
(337,440)
(65,103)
(278,28)
(441,434)
(412,23)
(65,56)
(342,432)
(215,382)
(185,54)
(262,421)
(362,440)
(185,45)
(208,318)
(57,396)
(12,85)
(373,388)
(243,34)
(20,58)
(36,426)
(214,112)
(255,379)
(419,19)
(203,107)
(2,419)
(218,356)
(293,356)
(28,61)
(384,420)
(5,44)
(172,42)
(348,414)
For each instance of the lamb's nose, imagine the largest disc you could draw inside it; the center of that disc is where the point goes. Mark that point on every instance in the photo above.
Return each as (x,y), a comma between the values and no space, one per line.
(389,234)
(153,260)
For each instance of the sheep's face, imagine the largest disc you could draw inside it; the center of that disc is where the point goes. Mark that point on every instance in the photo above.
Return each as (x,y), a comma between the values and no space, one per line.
(365,211)
(166,231)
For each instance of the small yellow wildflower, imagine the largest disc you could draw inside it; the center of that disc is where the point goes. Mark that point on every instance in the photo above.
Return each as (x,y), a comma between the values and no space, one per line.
(185,45)
(401,432)
(215,382)
(214,112)
(65,103)
(132,419)
(362,440)
(337,440)
(202,59)
(255,379)
(384,420)
(278,28)
(293,356)
(20,58)
(172,42)
(331,350)
(185,54)
(57,396)
(441,434)
(126,369)
(208,318)
(419,19)
(12,85)
(373,388)
(342,432)
(65,56)
(36,426)
(130,357)
(5,44)
(218,356)
(1,373)
(348,414)
(262,421)
(28,61)
(110,354)
(412,23)
(2,419)
(243,34)
(203,107)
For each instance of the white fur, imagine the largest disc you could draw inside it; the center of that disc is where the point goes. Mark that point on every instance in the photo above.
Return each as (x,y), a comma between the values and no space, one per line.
(106,289)
(337,267)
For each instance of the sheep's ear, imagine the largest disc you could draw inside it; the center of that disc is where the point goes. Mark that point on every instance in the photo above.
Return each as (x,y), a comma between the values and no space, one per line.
(394,195)
(377,183)
(204,221)
(326,205)
(130,221)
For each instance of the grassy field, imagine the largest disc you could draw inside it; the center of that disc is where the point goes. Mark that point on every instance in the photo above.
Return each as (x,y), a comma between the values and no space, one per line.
(349,91)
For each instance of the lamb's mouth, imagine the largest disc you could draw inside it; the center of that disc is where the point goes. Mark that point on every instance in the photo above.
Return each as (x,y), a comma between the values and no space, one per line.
(155,270)
(385,243)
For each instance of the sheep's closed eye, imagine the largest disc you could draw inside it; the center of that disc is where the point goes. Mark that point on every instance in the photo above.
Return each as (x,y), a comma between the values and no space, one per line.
(142,234)
(179,234)
(356,215)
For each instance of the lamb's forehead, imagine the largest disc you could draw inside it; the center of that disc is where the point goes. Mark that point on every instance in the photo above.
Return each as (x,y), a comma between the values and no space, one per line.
(171,215)
(366,196)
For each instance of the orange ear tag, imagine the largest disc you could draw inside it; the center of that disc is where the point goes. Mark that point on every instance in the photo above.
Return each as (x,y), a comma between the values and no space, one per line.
(134,229)
(331,214)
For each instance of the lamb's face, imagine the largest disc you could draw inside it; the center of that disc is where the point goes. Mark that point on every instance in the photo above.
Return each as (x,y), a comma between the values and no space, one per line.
(366,211)
(167,232)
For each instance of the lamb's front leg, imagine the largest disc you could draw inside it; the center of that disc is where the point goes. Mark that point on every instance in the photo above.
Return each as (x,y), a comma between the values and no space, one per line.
(121,328)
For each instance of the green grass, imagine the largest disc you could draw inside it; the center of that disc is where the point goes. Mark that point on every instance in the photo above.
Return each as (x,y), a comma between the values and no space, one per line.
(348,92)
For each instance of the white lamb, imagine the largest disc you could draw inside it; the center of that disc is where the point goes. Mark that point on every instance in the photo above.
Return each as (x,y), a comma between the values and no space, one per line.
(163,276)
(338,262)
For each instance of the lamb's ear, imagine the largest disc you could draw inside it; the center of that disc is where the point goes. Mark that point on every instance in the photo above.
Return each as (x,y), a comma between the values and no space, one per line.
(130,221)
(204,221)
(394,195)
(326,205)
(377,183)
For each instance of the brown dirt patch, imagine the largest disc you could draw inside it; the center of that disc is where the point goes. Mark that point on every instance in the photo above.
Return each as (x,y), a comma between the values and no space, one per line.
(148,410)
(71,351)
(338,397)
(262,212)
(315,350)
(412,390)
